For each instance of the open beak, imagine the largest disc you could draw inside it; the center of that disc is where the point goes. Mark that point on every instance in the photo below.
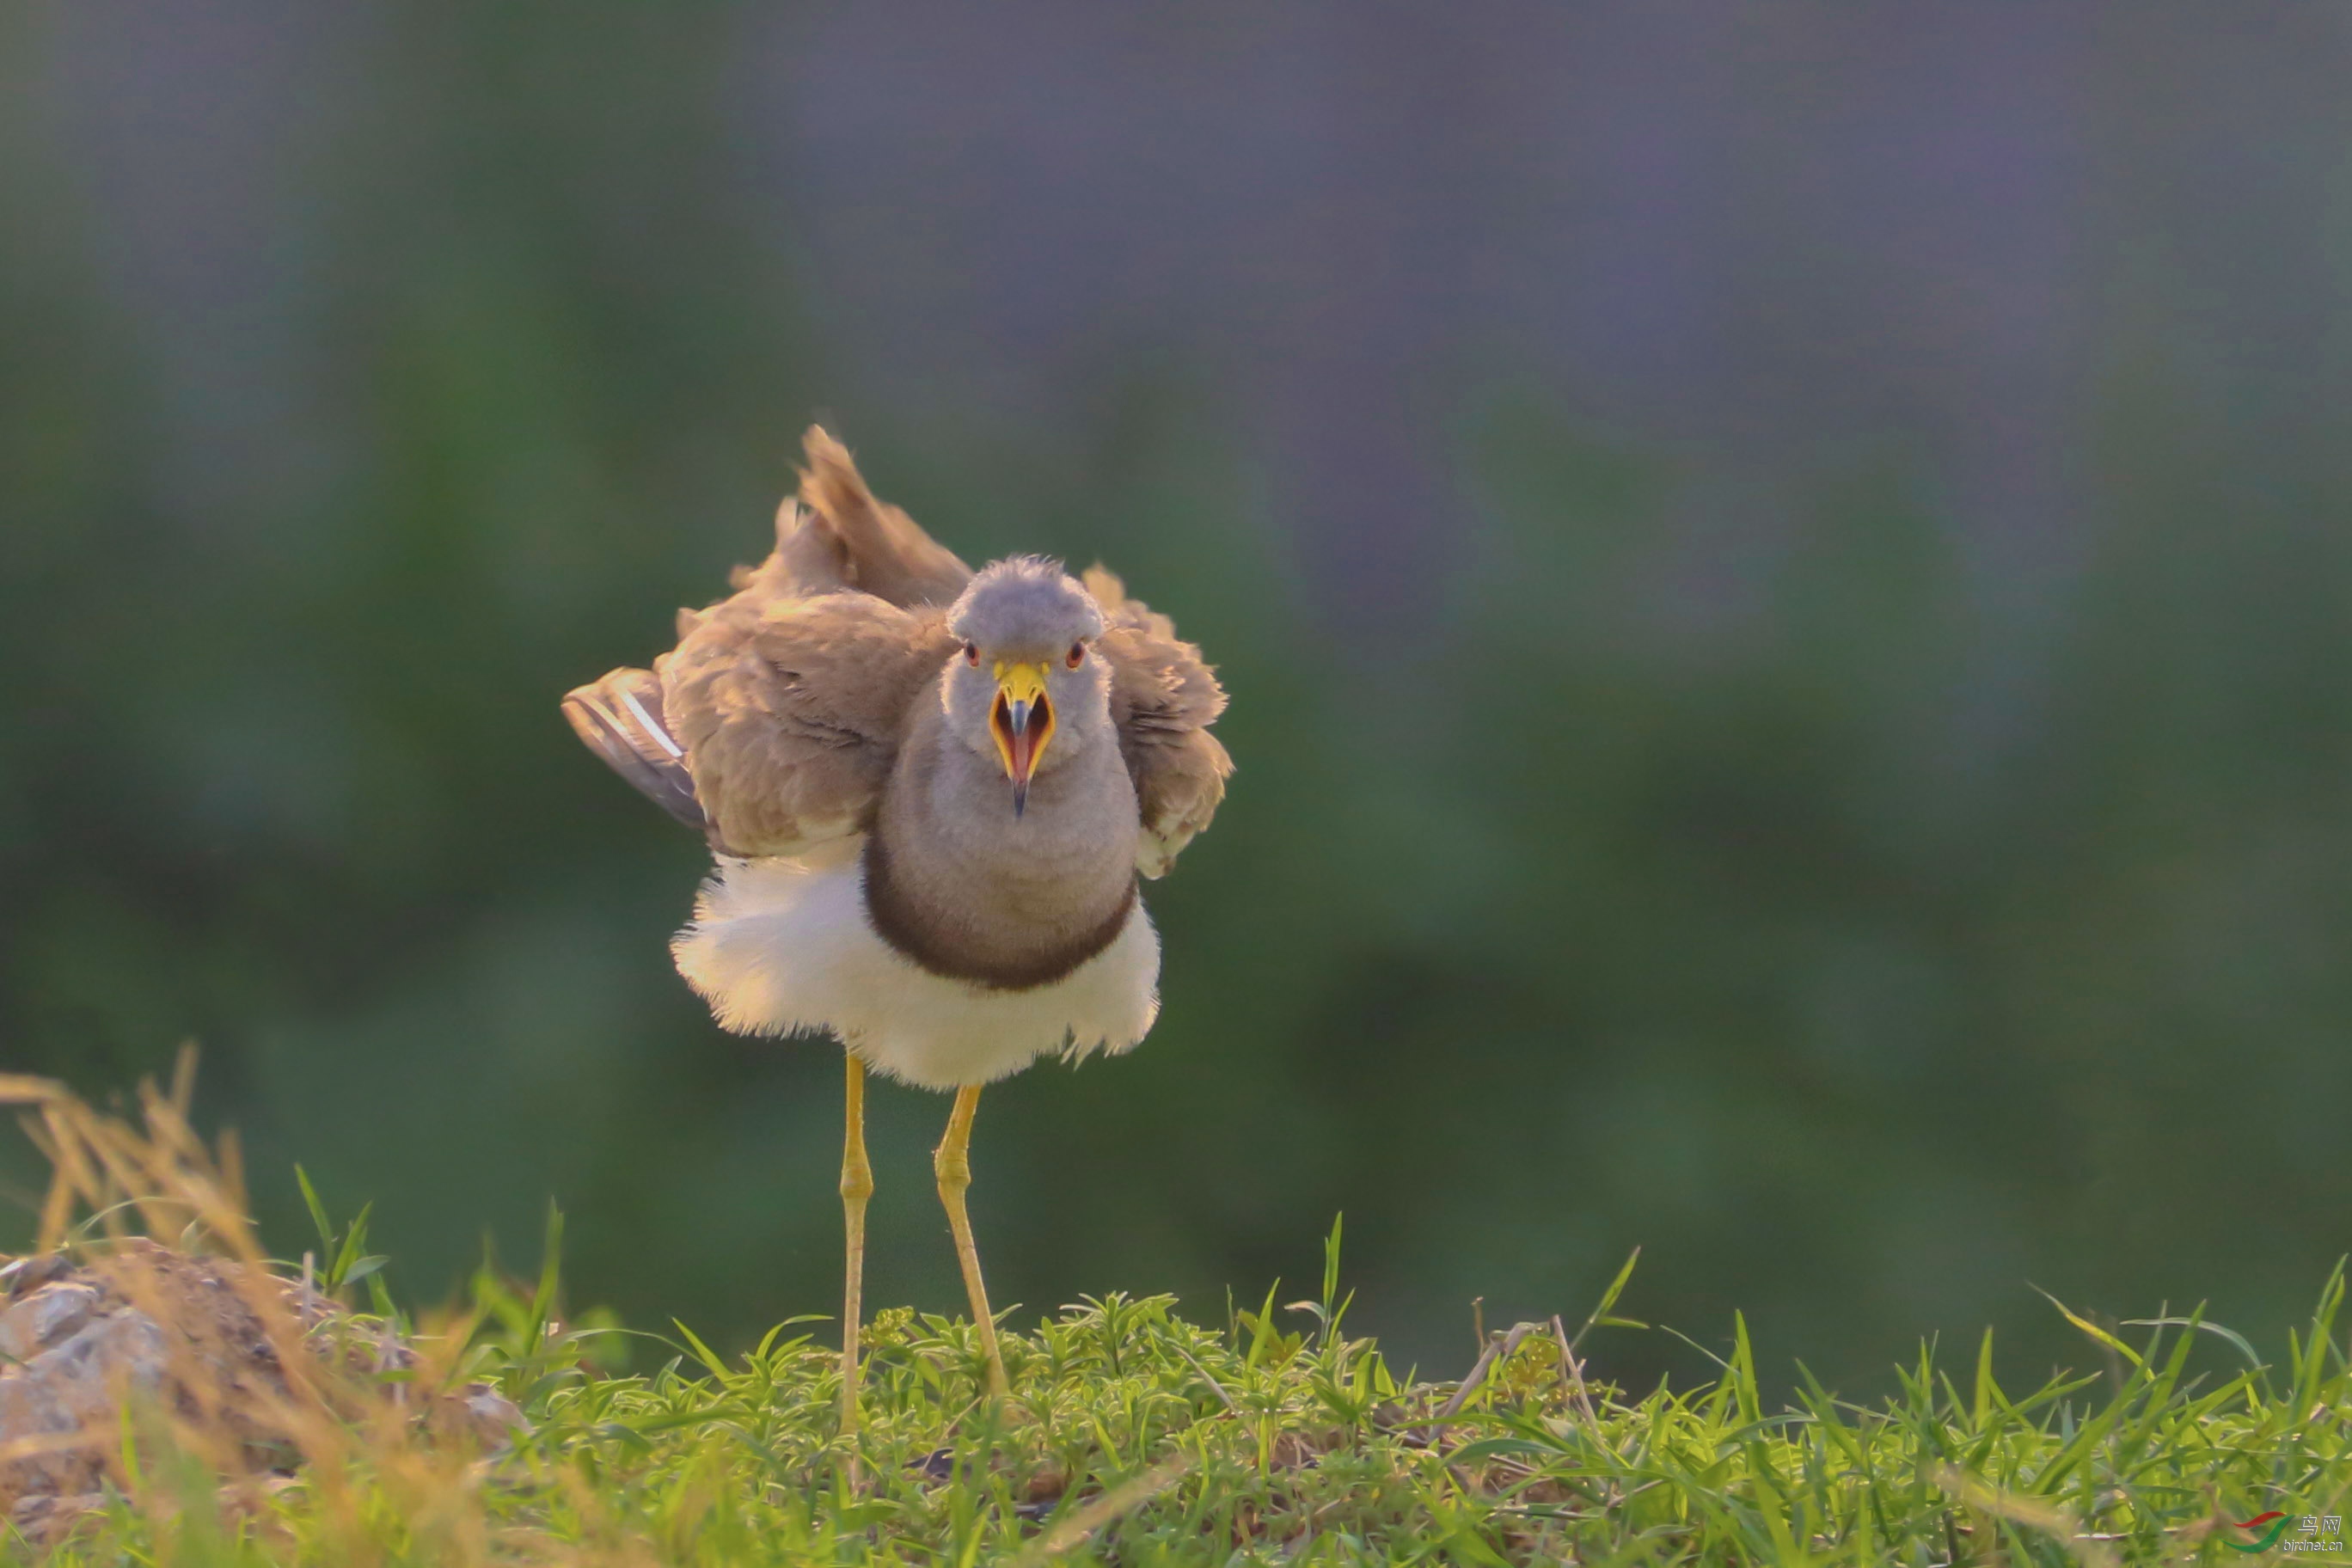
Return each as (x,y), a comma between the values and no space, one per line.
(1022,720)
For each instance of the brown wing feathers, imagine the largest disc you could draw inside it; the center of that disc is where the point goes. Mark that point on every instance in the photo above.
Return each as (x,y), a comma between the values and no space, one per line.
(791,712)
(1163,699)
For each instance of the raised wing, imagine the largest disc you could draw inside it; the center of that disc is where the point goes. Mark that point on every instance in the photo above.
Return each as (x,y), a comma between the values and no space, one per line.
(1163,699)
(790,712)
(836,536)
(774,723)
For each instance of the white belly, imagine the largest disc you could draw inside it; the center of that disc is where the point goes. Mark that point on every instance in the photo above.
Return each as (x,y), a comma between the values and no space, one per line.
(783,947)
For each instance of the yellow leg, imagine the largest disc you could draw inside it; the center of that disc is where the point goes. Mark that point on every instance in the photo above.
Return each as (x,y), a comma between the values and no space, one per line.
(856,1187)
(953,1164)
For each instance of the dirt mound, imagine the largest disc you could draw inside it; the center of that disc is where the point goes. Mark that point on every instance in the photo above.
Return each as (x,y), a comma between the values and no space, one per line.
(232,1359)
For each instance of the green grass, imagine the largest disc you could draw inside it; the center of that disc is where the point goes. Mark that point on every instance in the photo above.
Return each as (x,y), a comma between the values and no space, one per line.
(1135,1436)
(1130,1435)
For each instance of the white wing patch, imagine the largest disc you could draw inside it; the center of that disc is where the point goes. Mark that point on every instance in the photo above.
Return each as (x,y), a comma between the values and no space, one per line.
(1156,849)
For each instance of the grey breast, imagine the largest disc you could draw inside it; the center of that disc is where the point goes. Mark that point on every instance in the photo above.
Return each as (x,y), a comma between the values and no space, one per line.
(967,890)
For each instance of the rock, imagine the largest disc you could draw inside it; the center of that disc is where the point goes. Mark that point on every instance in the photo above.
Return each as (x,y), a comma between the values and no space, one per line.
(496,1418)
(74,1354)
(183,1333)
(46,1319)
(22,1274)
(46,1518)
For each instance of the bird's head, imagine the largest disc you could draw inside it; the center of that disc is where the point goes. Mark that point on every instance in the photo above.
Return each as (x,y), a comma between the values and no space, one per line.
(1025,681)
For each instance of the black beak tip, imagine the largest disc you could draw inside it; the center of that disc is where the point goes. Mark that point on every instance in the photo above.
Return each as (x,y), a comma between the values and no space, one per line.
(1020,797)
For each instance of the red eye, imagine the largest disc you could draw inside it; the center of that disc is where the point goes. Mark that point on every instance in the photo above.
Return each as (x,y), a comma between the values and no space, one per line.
(1077,654)
(972,653)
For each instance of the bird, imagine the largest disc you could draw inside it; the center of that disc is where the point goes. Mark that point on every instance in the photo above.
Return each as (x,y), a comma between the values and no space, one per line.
(930,794)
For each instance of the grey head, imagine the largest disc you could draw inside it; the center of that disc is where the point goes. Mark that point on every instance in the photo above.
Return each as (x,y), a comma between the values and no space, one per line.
(1026,686)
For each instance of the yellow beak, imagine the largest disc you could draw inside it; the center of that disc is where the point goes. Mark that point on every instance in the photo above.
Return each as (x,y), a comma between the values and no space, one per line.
(1022,720)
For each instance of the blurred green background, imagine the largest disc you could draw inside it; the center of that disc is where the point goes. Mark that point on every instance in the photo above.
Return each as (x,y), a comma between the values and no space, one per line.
(1784,577)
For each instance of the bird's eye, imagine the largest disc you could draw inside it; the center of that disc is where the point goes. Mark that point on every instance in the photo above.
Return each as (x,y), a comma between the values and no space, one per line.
(972,653)
(1077,654)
